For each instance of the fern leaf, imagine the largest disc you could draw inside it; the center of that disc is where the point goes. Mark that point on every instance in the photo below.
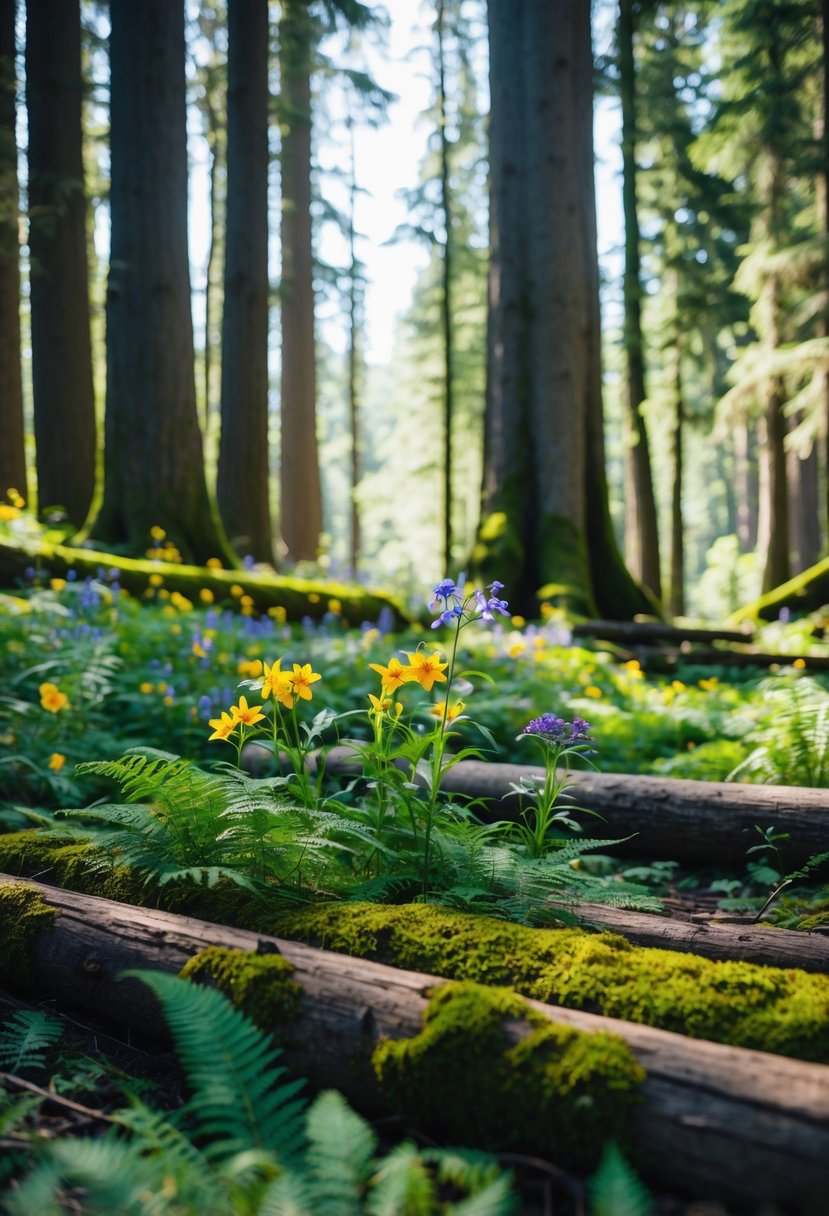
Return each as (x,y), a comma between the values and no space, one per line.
(402,1184)
(292,1194)
(340,1149)
(615,1190)
(240,1098)
(25,1037)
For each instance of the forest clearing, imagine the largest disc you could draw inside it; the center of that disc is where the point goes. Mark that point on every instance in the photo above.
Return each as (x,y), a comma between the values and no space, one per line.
(414,766)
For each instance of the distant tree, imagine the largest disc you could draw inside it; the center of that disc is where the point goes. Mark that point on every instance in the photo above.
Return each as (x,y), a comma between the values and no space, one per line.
(12,453)
(64,404)
(242,486)
(545,526)
(300,485)
(153,465)
(641,529)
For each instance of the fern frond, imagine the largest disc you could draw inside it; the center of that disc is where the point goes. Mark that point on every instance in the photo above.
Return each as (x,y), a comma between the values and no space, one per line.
(402,1184)
(240,1098)
(340,1150)
(615,1190)
(25,1037)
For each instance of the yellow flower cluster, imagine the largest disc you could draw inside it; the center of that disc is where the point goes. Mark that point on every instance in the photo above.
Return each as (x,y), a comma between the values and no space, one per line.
(51,698)
(286,687)
(423,669)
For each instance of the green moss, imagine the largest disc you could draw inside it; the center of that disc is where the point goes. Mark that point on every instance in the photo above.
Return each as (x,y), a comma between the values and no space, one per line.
(783,1011)
(806,592)
(557,1091)
(67,862)
(564,567)
(298,597)
(259,984)
(818,920)
(23,915)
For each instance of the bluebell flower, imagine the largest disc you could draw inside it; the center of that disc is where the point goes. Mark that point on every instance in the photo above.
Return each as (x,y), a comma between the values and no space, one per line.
(553,729)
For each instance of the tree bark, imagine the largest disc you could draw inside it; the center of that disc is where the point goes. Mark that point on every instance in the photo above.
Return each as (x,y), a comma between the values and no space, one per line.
(746,486)
(300,487)
(64,402)
(677,576)
(446,290)
(641,531)
(354,361)
(153,458)
(742,1125)
(243,478)
(545,525)
(12,451)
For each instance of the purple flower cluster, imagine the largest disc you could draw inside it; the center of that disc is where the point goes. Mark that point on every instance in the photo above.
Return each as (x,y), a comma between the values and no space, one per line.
(455,605)
(557,730)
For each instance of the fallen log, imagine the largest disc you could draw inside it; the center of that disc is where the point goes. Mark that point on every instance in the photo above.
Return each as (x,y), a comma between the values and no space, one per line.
(664,660)
(643,631)
(740,1125)
(713,938)
(665,817)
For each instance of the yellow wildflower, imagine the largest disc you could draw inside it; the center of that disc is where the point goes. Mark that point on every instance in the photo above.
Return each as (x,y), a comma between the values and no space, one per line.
(313,598)
(516,648)
(378,705)
(157,533)
(52,698)
(213,563)
(592,691)
(146,687)
(7,512)
(15,498)
(168,701)
(251,668)
(206,595)
(199,651)
(223,727)
(278,613)
(57,584)
(394,675)
(56,761)
(677,686)
(427,669)
(518,622)
(709,685)
(247,715)
(301,680)
(799,663)
(454,711)
(156,580)
(236,591)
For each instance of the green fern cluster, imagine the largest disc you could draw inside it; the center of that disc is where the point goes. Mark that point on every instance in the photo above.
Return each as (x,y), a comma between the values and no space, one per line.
(792,742)
(178,822)
(248,1144)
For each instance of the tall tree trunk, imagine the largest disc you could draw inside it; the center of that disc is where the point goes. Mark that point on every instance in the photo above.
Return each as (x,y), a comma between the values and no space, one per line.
(446,291)
(804,504)
(823,222)
(545,524)
(300,488)
(641,530)
(746,485)
(64,402)
(354,303)
(777,568)
(12,452)
(153,460)
(242,486)
(214,144)
(677,580)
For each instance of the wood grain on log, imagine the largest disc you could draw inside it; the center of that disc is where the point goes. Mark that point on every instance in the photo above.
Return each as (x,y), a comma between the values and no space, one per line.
(740,1125)
(712,938)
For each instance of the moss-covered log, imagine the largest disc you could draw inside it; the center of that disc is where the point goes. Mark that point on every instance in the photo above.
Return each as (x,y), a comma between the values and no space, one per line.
(650,631)
(716,1120)
(806,592)
(297,598)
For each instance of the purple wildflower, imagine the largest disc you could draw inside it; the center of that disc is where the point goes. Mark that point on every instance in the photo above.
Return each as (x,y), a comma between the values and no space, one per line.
(553,729)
